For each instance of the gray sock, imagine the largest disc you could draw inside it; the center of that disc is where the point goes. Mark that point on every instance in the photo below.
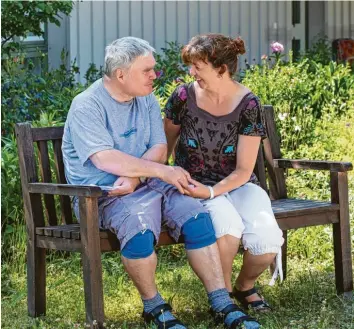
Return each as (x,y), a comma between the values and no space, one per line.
(219,299)
(150,304)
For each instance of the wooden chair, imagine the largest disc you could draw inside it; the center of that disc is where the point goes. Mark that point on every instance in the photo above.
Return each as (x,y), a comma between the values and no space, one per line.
(48,230)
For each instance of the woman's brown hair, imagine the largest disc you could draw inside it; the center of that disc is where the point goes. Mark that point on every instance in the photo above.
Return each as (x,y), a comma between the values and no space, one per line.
(215,48)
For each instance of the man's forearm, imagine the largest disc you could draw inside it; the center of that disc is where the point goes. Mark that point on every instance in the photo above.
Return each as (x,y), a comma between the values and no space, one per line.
(122,164)
(158,153)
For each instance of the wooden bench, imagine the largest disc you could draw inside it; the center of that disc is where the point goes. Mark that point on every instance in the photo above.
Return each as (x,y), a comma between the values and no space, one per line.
(48,230)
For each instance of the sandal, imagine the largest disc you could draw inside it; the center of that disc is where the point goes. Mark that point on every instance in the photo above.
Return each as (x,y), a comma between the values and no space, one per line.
(257,306)
(153,317)
(219,317)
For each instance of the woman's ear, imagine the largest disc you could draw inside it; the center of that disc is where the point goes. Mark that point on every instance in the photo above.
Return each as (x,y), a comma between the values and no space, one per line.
(222,69)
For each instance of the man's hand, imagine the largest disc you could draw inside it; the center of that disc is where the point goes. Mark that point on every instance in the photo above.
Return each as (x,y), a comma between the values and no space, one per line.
(176,176)
(197,190)
(124,185)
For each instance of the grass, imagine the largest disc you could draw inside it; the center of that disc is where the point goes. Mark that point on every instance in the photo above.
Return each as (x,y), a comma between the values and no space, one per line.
(305,300)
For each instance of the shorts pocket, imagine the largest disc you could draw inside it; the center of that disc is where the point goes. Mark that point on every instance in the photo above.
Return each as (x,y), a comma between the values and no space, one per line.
(112,213)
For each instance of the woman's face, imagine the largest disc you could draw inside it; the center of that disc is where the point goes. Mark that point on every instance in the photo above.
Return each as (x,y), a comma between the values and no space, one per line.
(205,74)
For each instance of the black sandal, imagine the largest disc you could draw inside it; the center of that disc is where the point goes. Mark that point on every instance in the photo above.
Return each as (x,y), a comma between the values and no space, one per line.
(219,317)
(153,317)
(257,306)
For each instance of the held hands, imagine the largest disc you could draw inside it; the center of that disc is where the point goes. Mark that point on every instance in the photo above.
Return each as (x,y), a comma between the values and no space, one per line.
(176,176)
(197,190)
(124,185)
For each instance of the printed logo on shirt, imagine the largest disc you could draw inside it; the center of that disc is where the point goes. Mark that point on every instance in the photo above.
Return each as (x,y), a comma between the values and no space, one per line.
(228,149)
(129,132)
(192,143)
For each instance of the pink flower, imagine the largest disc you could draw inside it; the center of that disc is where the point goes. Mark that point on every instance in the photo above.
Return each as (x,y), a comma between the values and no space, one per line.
(182,94)
(264,57)
(159,74)
(277,47)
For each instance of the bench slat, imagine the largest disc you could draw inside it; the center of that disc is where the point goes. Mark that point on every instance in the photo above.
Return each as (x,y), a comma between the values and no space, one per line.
(290,213)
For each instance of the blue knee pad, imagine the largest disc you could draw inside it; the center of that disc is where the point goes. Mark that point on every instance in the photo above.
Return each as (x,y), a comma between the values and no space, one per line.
(198,232)
(139,246)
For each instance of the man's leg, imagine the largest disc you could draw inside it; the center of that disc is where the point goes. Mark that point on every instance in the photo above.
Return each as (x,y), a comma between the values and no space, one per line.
(203,256)
(136,219)
(140,262)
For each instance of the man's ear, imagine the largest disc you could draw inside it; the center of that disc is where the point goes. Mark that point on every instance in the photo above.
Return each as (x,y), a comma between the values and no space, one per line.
(119,75)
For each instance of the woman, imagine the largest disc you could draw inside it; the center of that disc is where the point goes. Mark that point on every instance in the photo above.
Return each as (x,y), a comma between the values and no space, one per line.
(219,124)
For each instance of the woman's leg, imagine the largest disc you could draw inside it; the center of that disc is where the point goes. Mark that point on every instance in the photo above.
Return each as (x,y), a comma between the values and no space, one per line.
(228,249)
(228,230)
(262,237)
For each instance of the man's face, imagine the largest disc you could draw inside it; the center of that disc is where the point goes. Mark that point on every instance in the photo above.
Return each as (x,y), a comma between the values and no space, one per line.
(139,78)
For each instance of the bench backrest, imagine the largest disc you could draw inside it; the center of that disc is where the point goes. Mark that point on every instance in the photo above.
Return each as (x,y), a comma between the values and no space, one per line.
(41,160)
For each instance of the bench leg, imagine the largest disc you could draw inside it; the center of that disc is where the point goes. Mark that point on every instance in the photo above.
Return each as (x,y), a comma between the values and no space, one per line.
(36,280)
(91,261)
(341,235)
(284,250)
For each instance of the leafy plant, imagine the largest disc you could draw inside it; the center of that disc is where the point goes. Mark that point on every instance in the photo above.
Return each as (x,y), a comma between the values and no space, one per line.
(18,18)
(169,66)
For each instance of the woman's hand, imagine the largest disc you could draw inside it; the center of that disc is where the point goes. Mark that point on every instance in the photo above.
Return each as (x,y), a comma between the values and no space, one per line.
(197,190)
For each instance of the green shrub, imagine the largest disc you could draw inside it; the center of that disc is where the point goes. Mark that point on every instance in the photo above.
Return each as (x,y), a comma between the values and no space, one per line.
(25,94)
(301,93)
(169,67)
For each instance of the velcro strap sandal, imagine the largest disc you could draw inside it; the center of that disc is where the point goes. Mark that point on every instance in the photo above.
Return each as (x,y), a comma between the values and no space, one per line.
(153,317)
(219,317)
(260,306)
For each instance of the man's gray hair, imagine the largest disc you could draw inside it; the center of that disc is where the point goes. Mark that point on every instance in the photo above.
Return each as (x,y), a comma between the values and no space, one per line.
(121,53)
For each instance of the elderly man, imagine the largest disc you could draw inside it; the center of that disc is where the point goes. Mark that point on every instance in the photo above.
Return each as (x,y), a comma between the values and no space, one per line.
(114,137)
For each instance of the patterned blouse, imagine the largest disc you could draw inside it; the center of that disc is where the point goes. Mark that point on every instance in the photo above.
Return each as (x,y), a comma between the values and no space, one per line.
(207,143)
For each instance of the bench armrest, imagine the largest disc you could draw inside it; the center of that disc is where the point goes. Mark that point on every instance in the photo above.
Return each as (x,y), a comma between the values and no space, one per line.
(336,166)
(65,189)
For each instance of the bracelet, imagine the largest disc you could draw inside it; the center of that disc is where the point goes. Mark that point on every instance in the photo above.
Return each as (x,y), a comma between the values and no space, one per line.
(211,190)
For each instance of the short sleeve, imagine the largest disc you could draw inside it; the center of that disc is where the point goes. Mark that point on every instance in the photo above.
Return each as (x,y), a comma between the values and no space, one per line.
(89,133)
(174,106)
(252,122)
(157,133)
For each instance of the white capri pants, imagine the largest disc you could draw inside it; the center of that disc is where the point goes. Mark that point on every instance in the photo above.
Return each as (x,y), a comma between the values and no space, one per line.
(246,213)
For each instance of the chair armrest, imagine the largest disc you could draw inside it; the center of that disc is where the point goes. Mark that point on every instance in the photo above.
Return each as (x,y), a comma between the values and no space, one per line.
(66,189)
(336,166)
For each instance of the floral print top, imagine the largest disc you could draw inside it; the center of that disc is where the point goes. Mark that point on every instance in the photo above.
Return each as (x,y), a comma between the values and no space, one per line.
(207,144)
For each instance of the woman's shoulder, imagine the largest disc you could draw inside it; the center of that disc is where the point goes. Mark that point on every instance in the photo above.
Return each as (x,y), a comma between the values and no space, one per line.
(250,99)
(181,92)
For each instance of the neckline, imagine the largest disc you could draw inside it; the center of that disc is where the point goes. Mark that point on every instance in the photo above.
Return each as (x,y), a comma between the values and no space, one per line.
(216,117)
(113,99)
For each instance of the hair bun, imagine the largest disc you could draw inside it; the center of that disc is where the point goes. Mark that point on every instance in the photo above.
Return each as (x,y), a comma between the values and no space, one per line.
(239,46)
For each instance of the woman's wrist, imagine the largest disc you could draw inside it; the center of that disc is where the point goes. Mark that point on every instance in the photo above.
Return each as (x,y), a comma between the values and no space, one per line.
(211,190)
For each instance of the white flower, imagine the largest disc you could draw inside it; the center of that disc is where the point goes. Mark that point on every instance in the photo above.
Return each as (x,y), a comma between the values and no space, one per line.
(282,116)
(297,128)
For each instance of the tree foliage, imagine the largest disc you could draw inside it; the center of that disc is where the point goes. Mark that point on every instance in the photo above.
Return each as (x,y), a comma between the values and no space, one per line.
(18,18)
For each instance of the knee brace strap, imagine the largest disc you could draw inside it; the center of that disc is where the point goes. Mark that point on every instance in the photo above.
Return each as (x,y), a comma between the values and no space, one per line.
(140,245)
(198,232)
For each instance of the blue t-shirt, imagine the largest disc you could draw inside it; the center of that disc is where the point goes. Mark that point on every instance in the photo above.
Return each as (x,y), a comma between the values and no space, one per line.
(97,122)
